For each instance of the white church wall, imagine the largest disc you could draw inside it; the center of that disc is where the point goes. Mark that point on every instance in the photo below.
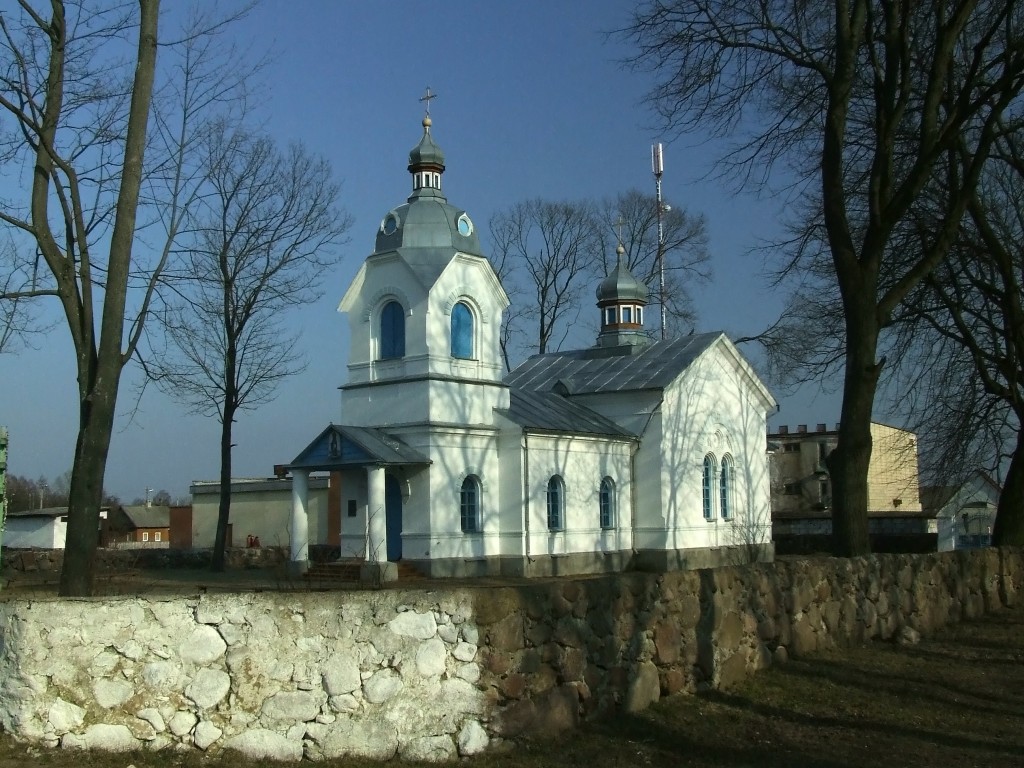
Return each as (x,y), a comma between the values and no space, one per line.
(471,280)
(436,532)
(382,278)
(714,410)
(465,402)
(581,462)
(353,529)
(511,499)
(630,410)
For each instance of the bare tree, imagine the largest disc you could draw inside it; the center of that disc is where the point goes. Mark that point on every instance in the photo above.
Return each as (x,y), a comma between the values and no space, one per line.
(260,243)
(974,304)
(64,103)
(860,100)
(548,246)
(77,85)
(503,262)
(685,250)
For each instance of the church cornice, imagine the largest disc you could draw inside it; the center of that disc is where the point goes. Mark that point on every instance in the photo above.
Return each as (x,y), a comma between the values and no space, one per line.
(423,377)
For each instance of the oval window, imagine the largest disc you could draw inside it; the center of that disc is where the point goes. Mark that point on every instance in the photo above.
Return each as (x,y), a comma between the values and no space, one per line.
(390,224)
(465,226)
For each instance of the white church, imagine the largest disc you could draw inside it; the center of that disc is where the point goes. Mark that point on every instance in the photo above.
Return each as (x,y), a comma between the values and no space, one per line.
(629,454)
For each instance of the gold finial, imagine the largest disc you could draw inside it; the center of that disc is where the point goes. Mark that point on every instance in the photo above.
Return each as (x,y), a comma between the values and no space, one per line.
(426,98)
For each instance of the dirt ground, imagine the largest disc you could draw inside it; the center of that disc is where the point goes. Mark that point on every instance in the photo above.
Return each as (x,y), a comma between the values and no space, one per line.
(956,699)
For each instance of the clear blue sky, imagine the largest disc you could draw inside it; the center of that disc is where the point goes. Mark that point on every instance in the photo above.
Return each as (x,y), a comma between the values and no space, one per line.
(532,103)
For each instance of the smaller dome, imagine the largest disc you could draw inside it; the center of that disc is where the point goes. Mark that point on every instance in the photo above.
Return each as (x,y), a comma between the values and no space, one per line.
(621,285)
(426,153)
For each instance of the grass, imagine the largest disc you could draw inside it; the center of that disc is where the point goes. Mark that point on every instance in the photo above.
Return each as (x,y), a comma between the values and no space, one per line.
(956,699)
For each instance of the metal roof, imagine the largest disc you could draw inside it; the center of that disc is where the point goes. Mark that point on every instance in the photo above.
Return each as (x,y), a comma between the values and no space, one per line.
(552,412)
(344,446)
(47,512)
(612,369)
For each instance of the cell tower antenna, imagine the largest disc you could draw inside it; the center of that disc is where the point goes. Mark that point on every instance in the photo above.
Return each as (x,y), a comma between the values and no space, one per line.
(658,167)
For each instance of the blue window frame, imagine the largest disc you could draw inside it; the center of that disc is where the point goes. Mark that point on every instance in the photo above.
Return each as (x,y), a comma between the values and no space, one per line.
(606,502)
(708,485)
(392,330)
(469,504)
(725,487)
(462,331)
(556,503)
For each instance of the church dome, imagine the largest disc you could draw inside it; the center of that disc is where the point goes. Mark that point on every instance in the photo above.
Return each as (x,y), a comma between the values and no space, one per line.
(427,220)
(620,285)
(428,223)
(426,152)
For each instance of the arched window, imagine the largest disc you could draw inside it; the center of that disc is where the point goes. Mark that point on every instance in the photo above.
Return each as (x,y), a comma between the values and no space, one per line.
(462,331)
(725,486)
(392,331)
(606,503)
(469,504)
(708,487)
(556,503)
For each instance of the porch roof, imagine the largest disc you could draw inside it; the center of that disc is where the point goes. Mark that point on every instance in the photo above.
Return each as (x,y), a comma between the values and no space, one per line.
(341,447)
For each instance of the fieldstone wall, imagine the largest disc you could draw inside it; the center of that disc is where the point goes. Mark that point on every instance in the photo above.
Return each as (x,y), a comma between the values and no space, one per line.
(432,674)
(277,675)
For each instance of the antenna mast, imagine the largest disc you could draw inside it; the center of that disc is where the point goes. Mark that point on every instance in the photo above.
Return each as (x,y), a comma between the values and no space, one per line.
(658,166)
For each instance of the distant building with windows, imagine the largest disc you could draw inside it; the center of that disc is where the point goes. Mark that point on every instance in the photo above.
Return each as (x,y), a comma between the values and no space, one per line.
(140,526)
(965,513)
(630,453)
(801,488)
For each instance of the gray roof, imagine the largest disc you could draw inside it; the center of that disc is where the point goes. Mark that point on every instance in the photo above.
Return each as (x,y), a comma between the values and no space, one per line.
(47,512)
(148,517)
(552,412)
(345,446)
(426,152)
(611,369)
(428,222)
(388,449)
(621,284)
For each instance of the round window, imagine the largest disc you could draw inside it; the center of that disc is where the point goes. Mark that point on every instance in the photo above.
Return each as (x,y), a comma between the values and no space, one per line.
(390,224)
(465,226)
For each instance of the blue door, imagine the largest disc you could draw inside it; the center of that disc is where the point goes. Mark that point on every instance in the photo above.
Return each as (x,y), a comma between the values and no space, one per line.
(393,516)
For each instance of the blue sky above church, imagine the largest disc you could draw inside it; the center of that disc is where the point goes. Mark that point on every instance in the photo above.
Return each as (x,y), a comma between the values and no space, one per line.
(532,102)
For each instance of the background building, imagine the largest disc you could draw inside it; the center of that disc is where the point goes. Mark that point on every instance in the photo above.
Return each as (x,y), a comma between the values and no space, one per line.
(801,495)
(261,509)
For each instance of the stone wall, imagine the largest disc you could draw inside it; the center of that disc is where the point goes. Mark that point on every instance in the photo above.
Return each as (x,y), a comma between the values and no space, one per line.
(428,674)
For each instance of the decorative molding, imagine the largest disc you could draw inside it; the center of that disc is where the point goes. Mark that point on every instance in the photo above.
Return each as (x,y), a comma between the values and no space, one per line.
(464,293)
(388,291)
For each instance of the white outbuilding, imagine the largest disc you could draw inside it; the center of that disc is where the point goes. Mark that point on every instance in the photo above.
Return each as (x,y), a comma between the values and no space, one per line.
(632,453)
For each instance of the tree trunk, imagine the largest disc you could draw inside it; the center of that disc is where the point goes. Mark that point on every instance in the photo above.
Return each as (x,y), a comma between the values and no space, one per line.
(99,365)
(224,509)
(1009,527)
(96,423)
(848,463)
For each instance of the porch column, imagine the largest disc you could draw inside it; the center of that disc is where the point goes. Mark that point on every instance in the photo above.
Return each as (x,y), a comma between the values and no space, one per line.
(376,569)
(376,519)
(299,528)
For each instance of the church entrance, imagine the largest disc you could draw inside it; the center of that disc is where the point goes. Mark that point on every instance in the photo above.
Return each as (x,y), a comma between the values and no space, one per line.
(393,516)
